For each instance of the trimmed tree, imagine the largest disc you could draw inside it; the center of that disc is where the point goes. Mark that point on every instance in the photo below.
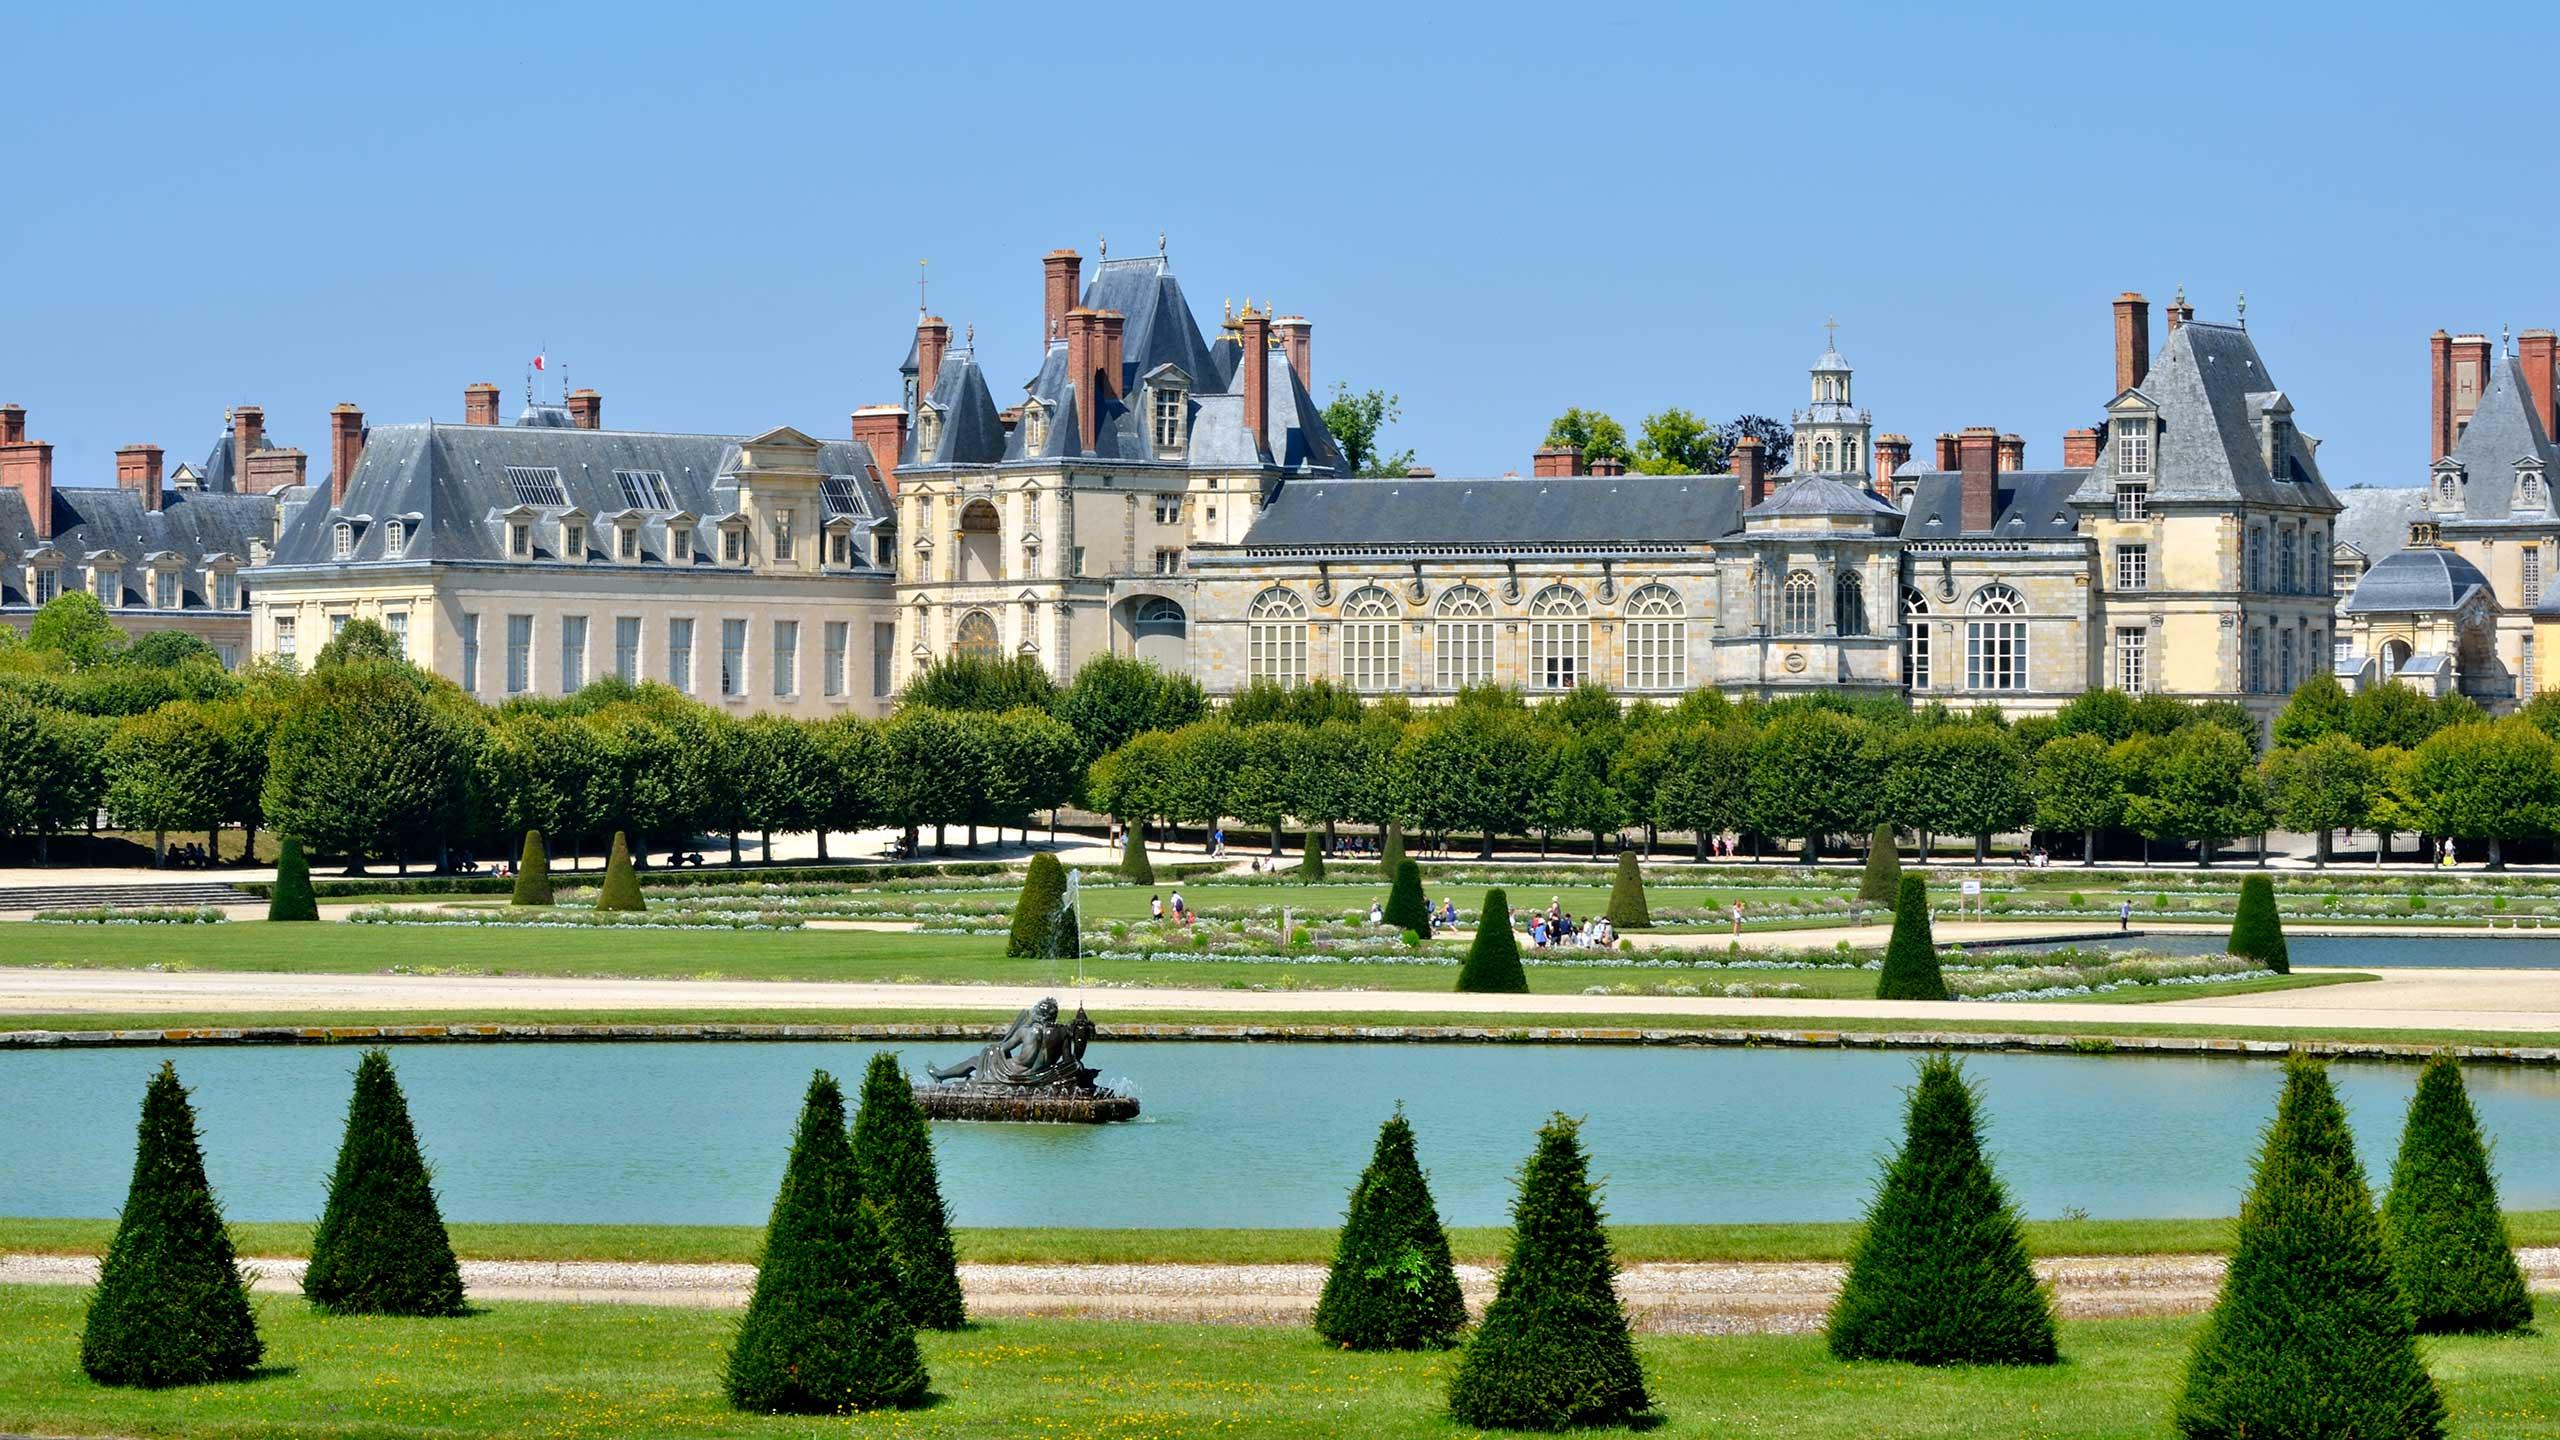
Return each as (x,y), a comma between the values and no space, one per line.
(1135,867)
(2256,932)
(1882,884)
(170,1307)
(292,898)
(825,1330)
(1493,961)
(1406,909)
(1553,1350)
(1391,850)
(1911,956)
(1392,1285)
(533,873)
(1312,867)
(1941,1274)
(1627,908)
(381,1248)
(893,1154)
(2311,1335)
(621,883)
(2447,1238)
(1035,912)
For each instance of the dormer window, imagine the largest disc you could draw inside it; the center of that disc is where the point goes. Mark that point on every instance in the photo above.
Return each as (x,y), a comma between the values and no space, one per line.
(48,584)
(165,590)
(520,540)
(679,544)
(626,543)
(733,543)
(1035,428)
(782,535)
(395,539)
(928,433)
(573,540)
(226,590)
(2449,487)
(109,582)
(2528,489)
(839,549)
(2133,448)
(342,542)
(1169,413)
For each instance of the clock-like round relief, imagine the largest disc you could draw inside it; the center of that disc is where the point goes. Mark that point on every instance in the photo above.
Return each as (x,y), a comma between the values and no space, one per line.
(1795,662)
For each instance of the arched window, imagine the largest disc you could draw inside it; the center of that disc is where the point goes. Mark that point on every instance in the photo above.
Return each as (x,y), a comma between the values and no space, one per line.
(976,637)
(980,543)
(2528,490)
(2445,487)
(1657,639)
(1559,638)
(1372,647)
(1462,639)
(395,540)
(1799,604)
(1995,640)
(1849,604)
(1276,629)
(1915,639)
(1822,454)
(1159,616)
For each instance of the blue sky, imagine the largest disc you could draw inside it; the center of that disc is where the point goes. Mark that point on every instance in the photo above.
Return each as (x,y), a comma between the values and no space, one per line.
(713,214)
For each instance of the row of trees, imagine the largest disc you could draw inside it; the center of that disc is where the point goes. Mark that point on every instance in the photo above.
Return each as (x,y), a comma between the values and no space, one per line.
(1672,441)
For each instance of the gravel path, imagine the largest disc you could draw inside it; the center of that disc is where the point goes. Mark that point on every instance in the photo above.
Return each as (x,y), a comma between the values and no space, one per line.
(1687,1299)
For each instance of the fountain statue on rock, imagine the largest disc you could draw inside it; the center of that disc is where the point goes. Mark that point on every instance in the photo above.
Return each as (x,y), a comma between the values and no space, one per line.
(1035,1070)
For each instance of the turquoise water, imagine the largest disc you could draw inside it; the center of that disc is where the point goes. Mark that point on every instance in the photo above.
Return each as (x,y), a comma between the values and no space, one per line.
(1234,1134)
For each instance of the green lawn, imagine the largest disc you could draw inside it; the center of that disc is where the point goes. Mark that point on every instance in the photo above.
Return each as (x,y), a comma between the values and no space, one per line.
(566,1372)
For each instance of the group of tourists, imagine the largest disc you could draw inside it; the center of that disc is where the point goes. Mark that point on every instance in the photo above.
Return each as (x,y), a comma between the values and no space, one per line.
(1555,928)
(1182,913)
(1442,916)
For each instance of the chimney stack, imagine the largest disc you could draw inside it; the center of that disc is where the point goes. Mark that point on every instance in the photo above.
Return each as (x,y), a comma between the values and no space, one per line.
(271,470)
(480,404)
(1297,337)
(26,466)
(2079,449)
(2133,341)
(1059,283)
(1750,466)
(2470,382)
(1606,465)
(2180,312)
(346,447)
(932,338)
(138,469)
(883,428)
(1978,457)
(2013,452)
(1892,453)
(2439,396)
(13,424)
(586,410)
(1946,457)
(1255,326)
(1108,358)
(1556,460)
(248,437)
(2536,349)
(1080,370)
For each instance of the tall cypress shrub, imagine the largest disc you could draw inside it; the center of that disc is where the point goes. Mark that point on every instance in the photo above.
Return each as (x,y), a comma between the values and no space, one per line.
(1553,1350)
(1882,883)
(1911,956)
(1406,909)
(1627,908)
(2311,1335)
(381,1248)
(2256,932)
(2447,1237)
(621,883)
(1941,1276)
(1312,867)
(292,898)
(1391,850)
(533,873)
(1493,961)
(171,1307)
(1392,1285)
(825,1330)
(893,1154)
(1135,867)
(1035,911)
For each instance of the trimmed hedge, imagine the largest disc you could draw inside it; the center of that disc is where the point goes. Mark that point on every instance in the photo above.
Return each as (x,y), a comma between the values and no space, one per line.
(381,1248)
(1135,867)
(1312,867)
(1941,1276)
(171,1307)
(1882,882)
(1627,908)
(2447,1237)
(1392,1285)
(1391,851)
(291,897)
(1035,911)
(533,873)
(1553,1350)
(1406,909)
(1493,961)
(2256,931)
(893,1154)
(621,889)
(1911,957)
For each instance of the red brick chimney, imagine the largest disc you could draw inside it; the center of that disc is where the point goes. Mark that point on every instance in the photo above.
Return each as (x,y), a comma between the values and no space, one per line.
(1556,460)
(2439,396)
(2079,449)
(346,447)
(2013,452)
(2179,311)
(2470,382)
(884,429)
(1297,336)
(932,338)
(2133,340)
(26,466)
(138,468)
(586,409)
(1978,457)
(1059,283)
(248,437)
(480,404)
(1255,327)
(1108,357)
(2535,348)
(1606,465)
(13,424)
(1946,456)
(1892,453)
(1080,370)
(1750,467)
(273,470)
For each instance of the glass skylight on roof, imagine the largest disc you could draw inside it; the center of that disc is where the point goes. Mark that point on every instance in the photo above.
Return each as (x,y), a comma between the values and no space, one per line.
(644,489)
(536,485)
(840,495)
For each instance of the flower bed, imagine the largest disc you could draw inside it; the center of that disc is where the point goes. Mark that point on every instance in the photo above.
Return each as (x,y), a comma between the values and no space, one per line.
(531,918)
(143,915)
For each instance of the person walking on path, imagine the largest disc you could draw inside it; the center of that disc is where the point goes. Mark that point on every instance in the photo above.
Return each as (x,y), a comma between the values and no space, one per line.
(2124,915)
(1737,919)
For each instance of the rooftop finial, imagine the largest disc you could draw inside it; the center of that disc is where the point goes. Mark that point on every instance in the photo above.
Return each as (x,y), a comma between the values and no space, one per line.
(2243,309)
(921,312)
(2506,342)
(1159,244)
(1102,245)
(2181,301)
(1831,332)
(969,333)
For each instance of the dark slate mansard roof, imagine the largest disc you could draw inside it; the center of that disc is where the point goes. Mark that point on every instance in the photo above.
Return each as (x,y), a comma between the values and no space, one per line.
(197,524)
(2025,505)
(2503,432)
(1540,514)
(2211,389)
(2432,579)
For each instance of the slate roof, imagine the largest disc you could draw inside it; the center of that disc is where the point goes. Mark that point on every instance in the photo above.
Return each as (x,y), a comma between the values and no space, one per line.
(2503,431)
(2025,505)
(2212,388)
(2376,520)
(1823,495)
(1159,329)
(972,433)
(1218,437)
(218,471)
(447,482)
(2433,579)
(1540,513)
(196,524)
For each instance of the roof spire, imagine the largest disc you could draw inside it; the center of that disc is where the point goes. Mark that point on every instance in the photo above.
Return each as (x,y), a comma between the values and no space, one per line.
(1160,261)
(969,333)
(921,312)
(2506,343)
(2244,309)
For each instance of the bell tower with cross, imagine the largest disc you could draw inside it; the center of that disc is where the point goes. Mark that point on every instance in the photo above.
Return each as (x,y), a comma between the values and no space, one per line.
(1831,432)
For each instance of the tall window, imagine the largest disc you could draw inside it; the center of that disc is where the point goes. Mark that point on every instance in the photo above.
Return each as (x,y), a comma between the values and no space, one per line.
(2532,574)
(2284,662)
(285,649)
(1799,604)
(2133,659)
(573,541)
(976,636)
(2287,560)
(470,653)
(164,589)
(733,546)
(2133,447)
(1915,639)
(1462,639)
(395,540)
(1995,640)
(1848,604)
(2133,567)
(1168,419)
(2525,671)
(1372,644)
(397,623)
(680,655)
(2528,490)
(1559,639)
(520,540)
(573,653)
(786,657)
(733,657)
(884,657)
(342,541)
(1657,640)
(519,654)
(48,585)
(111,588)
(2133,502)
(226,590)
(2257,660)
(832,681)
(782,535)
(1276,637)
(626,648)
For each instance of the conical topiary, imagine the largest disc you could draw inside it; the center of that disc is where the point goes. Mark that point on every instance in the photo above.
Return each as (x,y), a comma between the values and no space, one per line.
(1911,956)
(1391,850)
(621,883)
(1493,961)
(292,898)
(1941,1276)
(2311,1335)
(171,1307)
(825,1330)
(2256,932)
(1406,909)
(1312,867)
(1135,867)
(1553,1350)
(1882,883)
(893,1154)
(2447,1238)
(1392,1285)
(1035,911)
(381,1248)
(1627,908)
(533,873)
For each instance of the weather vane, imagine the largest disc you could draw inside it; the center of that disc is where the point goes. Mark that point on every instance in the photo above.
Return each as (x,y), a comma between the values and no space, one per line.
(920,310)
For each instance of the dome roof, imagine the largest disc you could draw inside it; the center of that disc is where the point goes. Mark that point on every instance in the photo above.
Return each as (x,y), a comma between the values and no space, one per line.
(2420,579)
(1831,360)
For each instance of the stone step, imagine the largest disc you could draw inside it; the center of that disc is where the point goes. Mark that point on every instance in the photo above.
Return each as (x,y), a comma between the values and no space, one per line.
(122,897)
